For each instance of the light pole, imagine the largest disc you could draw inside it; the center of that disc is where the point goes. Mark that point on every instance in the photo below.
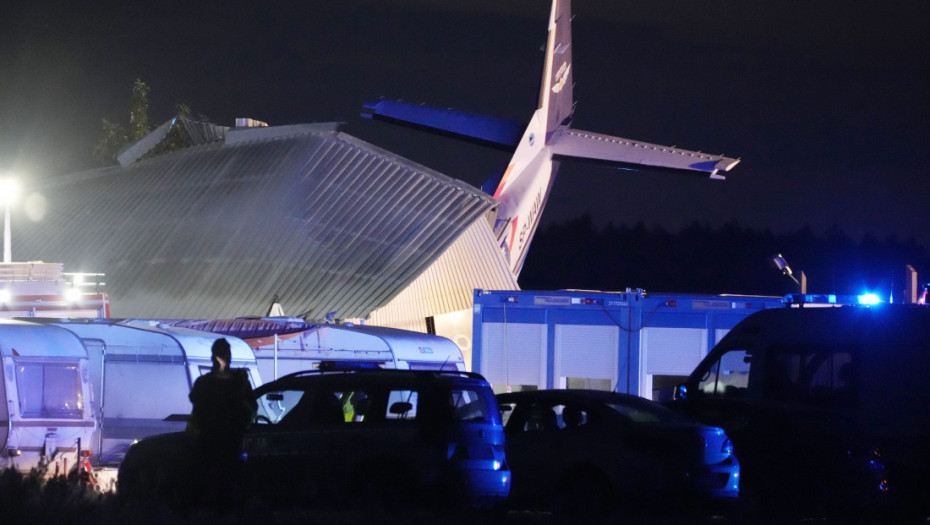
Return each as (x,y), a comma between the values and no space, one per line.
(9,190)
(781,265)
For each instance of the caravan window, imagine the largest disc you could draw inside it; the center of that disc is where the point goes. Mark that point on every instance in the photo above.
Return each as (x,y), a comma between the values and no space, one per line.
(426,365)
(49,390)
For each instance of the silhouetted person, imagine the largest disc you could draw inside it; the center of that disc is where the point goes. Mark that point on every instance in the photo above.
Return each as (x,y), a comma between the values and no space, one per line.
(223,409)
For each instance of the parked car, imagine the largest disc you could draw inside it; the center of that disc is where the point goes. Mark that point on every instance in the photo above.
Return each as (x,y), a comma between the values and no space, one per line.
(838,393)
(578,450)
(356,437)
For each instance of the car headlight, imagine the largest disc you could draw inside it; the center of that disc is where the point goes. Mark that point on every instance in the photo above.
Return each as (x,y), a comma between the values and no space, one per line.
(727,447)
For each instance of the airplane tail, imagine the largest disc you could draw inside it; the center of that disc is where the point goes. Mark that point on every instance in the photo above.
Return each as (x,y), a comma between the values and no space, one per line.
(525,186)
(524,189)
(556,97)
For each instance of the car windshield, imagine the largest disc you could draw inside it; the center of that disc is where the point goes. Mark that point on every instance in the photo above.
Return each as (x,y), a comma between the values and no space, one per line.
(648,413)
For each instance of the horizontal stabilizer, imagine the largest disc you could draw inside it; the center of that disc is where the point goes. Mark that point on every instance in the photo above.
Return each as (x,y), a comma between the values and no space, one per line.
(569,142)
(487,130)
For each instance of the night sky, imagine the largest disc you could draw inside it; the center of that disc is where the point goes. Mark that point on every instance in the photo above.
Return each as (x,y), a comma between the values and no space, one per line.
(826,102)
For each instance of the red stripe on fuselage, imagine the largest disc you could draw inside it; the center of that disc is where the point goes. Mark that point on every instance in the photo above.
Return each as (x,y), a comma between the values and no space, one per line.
(513,233)
(500,187)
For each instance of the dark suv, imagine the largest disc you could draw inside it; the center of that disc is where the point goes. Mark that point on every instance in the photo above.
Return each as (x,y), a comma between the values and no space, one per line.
(394,434)
(372,437)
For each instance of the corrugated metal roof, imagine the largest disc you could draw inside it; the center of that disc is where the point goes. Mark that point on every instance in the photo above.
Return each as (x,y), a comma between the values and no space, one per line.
(322,220)
(195,132)
(473,261)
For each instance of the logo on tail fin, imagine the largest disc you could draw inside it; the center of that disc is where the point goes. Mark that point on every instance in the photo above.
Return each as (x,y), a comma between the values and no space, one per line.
(561,77)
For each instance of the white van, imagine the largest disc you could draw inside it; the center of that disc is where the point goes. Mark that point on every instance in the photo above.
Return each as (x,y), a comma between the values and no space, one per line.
(47,412)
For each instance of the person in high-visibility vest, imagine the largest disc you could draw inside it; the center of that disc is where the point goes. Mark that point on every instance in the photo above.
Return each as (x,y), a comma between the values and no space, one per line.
(353,406)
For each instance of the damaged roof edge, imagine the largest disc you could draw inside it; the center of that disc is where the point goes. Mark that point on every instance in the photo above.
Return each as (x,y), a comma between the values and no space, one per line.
(236,136)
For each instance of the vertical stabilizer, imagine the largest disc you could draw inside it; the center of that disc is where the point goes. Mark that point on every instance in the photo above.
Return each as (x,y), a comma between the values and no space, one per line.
(555,94)
(525,187)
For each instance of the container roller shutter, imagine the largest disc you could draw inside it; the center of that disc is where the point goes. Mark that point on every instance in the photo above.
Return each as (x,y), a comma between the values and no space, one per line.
(586,351)
(514,354)
(672,351)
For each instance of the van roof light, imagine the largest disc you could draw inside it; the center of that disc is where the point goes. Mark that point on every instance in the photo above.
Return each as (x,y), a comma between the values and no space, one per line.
(800,299)
(350,365)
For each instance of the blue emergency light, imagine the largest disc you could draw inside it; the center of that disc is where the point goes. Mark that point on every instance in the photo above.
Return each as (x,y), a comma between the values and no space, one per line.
(350,365)
(801,299)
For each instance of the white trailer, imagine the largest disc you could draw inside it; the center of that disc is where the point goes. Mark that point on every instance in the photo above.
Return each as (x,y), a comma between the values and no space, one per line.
(46,404)
(283,345)
(141,375)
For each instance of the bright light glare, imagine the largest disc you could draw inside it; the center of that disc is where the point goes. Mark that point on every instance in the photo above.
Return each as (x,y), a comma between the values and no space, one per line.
(5,296)
(35,206)
(869,298)
(72,295)
(9,191)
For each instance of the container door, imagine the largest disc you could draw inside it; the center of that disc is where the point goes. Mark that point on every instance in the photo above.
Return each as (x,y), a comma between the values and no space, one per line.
(514,356)
(586,356)
(668,357)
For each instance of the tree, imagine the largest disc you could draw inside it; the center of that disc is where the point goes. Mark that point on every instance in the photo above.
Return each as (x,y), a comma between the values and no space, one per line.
(112,140)
(139,110)
(114,136)
(704,260)
(177,137)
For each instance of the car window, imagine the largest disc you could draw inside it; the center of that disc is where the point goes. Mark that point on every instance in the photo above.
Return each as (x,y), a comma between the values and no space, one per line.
(471,405)
(541,417)
(275,406)
(571,416)
(356,403)
(506,410)
(728,376)
(331,406)
(402,405)
(535,416)
(809,374)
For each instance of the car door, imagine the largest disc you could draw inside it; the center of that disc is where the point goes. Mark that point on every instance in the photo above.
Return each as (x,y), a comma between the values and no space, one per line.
(294,445)
(537,450)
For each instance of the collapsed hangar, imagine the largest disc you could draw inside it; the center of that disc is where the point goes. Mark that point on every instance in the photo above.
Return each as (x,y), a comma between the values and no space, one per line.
(240,218)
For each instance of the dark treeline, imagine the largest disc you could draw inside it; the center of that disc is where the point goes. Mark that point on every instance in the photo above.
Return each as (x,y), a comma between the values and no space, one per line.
(704,260)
